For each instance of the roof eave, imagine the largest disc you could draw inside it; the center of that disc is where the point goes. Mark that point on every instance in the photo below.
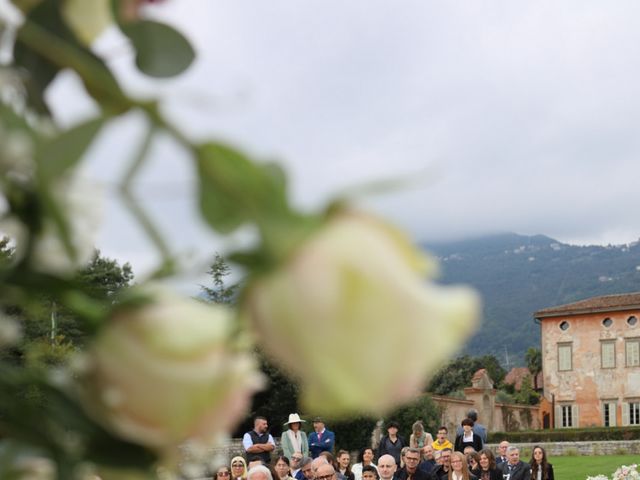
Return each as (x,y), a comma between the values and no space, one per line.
(622,308)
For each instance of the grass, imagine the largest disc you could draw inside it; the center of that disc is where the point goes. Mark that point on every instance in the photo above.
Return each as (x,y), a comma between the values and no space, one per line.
(580,467)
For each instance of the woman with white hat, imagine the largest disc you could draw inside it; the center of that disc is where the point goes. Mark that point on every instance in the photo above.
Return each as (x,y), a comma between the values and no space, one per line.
(294,440)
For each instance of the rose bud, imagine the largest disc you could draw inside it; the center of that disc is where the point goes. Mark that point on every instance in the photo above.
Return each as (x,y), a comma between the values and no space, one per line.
(351,316)
(167,371)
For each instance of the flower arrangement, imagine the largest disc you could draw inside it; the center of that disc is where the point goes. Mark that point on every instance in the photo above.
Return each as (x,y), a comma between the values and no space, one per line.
(625,472)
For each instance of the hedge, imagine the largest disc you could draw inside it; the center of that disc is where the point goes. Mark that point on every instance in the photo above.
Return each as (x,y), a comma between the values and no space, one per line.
(567,435)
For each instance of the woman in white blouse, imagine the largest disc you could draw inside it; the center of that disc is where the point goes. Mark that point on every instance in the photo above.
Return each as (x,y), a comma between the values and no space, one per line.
(365,457)
(294,440)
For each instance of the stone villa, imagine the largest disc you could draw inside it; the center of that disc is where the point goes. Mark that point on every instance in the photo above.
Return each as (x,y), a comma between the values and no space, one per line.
(591,362)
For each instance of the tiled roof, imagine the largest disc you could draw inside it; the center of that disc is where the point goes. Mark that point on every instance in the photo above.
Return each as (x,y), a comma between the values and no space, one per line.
(515,376)
(605,303)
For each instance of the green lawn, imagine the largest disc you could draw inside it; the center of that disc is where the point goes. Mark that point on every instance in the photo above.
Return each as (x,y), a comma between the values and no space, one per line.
(579,467)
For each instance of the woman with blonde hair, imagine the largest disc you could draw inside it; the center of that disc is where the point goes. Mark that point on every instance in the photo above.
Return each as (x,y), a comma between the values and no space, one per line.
(459,469)
(238,468)
(419,438)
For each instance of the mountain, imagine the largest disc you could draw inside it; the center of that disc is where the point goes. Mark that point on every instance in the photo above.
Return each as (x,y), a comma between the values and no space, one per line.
(518,275)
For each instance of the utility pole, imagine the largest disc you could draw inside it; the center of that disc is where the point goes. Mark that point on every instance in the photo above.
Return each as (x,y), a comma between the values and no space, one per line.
(506,359)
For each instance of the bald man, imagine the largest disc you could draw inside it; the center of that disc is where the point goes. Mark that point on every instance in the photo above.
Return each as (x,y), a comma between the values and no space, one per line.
(387,467)
(318,462)
(325,472)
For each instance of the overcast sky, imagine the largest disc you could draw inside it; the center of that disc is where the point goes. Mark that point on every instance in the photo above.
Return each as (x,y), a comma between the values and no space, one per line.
(520,116)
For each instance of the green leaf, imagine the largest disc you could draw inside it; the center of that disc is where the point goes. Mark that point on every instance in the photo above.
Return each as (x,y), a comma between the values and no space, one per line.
(39,414)
(56,157)
(161,51)
(45,45)
(41,71)
(234,190)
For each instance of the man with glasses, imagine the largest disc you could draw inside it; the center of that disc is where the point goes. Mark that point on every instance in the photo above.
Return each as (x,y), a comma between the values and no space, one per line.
(502,452)
(410,470)
(441,472)
(295,461)
(325,472)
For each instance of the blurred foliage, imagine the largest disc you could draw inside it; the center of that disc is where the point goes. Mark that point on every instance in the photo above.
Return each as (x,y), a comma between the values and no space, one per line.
(275,402)
(354,433)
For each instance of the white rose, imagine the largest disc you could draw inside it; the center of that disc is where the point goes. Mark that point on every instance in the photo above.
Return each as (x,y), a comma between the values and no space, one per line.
(168,371)
(352,317)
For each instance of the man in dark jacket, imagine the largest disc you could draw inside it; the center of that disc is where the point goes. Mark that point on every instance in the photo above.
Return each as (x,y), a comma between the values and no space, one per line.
(410,470)
(428,462)
(392,443)
(441,472)
(514,467)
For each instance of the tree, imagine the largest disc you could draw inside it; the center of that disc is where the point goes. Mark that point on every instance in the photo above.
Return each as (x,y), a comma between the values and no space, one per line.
(423,408)
(533,357)
(50,331)
(457,374)
(104,278)
(527,395)
(221,292)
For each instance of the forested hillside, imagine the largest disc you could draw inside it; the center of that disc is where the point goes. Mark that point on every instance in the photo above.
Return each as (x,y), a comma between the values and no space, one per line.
(518,275)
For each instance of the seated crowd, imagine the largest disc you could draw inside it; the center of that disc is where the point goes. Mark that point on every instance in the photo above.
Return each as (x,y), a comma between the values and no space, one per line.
(421,458)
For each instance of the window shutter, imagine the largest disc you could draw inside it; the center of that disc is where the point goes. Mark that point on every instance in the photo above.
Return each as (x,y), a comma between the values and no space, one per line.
(574,416)
(564,357)
(633,353)
(625,414)
(613,407)
(608,352)
(558,419)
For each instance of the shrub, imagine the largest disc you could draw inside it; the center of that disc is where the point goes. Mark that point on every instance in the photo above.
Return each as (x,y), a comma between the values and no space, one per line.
(567,435)
(352,434)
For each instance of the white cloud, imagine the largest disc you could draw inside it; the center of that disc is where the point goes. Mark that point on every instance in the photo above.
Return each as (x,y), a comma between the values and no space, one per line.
(528,111)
